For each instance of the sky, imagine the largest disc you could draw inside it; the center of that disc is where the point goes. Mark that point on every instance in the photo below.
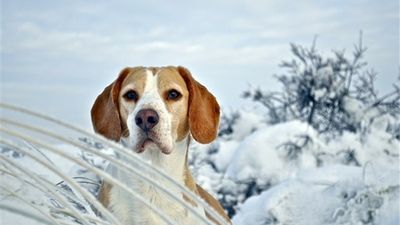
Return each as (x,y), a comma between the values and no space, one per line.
(57,56)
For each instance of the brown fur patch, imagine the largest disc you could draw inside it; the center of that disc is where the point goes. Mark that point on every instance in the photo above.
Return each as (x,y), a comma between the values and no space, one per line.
(168,79)
(104,194)
(203,109)
(213,203)
(191,184)
(104,113)
(136,80)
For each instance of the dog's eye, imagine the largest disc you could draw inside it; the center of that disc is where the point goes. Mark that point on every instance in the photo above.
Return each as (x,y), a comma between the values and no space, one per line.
(173,95)
(131,95)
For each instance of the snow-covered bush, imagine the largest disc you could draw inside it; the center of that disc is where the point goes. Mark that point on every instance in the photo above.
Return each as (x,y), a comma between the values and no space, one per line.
(332,94)
(237,169)
(328,120)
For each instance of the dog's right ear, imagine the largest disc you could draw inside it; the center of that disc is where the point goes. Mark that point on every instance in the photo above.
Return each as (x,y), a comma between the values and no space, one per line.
(203,109)
(105,110)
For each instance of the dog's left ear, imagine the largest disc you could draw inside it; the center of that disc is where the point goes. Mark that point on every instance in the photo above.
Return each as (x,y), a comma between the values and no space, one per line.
(105,110)
(203,109)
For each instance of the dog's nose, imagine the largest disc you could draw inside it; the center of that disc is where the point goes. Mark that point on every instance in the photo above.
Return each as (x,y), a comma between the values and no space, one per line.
(146,119)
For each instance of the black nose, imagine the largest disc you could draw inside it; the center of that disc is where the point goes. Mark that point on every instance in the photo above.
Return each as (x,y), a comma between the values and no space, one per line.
(146,119)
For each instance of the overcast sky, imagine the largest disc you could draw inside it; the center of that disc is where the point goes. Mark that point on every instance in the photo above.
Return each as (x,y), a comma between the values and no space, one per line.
(57,57)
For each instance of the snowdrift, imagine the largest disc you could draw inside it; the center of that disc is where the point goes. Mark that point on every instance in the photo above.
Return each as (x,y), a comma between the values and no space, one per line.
(288,173)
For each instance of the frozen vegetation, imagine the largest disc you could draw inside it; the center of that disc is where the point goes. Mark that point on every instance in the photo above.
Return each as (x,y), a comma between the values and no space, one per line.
(323,150)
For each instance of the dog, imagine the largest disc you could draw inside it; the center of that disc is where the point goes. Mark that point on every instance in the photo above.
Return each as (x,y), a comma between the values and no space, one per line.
(155,112)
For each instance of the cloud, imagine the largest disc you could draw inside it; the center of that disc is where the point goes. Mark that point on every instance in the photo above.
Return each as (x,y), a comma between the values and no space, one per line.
(234,42)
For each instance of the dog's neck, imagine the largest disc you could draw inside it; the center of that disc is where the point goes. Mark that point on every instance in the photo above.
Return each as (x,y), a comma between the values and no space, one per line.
(131,211)
(173,164)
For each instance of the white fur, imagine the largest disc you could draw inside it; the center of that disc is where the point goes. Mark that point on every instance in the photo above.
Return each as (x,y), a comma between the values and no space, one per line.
(131,211)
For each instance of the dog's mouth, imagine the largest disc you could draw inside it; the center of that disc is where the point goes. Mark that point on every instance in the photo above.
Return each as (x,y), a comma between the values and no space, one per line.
(146,142)
(151,144)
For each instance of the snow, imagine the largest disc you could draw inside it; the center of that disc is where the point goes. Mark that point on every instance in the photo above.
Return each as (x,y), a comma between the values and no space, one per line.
(329,195)
(247,124)
(349,178)
(354,107)
(224,156)
(319,93)
(252,160)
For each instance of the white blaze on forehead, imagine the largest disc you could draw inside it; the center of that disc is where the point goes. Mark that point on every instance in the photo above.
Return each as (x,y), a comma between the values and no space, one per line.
(151,82)
(150,98)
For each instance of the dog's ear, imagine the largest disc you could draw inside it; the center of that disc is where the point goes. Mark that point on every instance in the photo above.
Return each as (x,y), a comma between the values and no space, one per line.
(203,109)
(105,110)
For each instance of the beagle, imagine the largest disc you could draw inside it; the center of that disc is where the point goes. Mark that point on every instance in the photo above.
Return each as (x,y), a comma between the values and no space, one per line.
(155,111)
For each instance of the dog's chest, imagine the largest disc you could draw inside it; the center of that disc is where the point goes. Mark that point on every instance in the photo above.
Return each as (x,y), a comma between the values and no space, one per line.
(131,211)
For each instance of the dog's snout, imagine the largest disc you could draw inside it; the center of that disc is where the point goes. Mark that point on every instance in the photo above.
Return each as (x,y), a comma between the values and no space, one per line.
(146,119)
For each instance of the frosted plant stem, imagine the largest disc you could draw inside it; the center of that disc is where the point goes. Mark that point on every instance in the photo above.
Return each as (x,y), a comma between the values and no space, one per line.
(137,160)
(74,184)
(30,215)
(48,188)
(65,193)
(128,155)
(27,214)
(84,164)
(123,166)
(46,214)
(91,218)
(12,173)
(96,219)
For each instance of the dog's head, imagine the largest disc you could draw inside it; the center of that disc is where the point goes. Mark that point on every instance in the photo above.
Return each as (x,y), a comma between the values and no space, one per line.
(155,108)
